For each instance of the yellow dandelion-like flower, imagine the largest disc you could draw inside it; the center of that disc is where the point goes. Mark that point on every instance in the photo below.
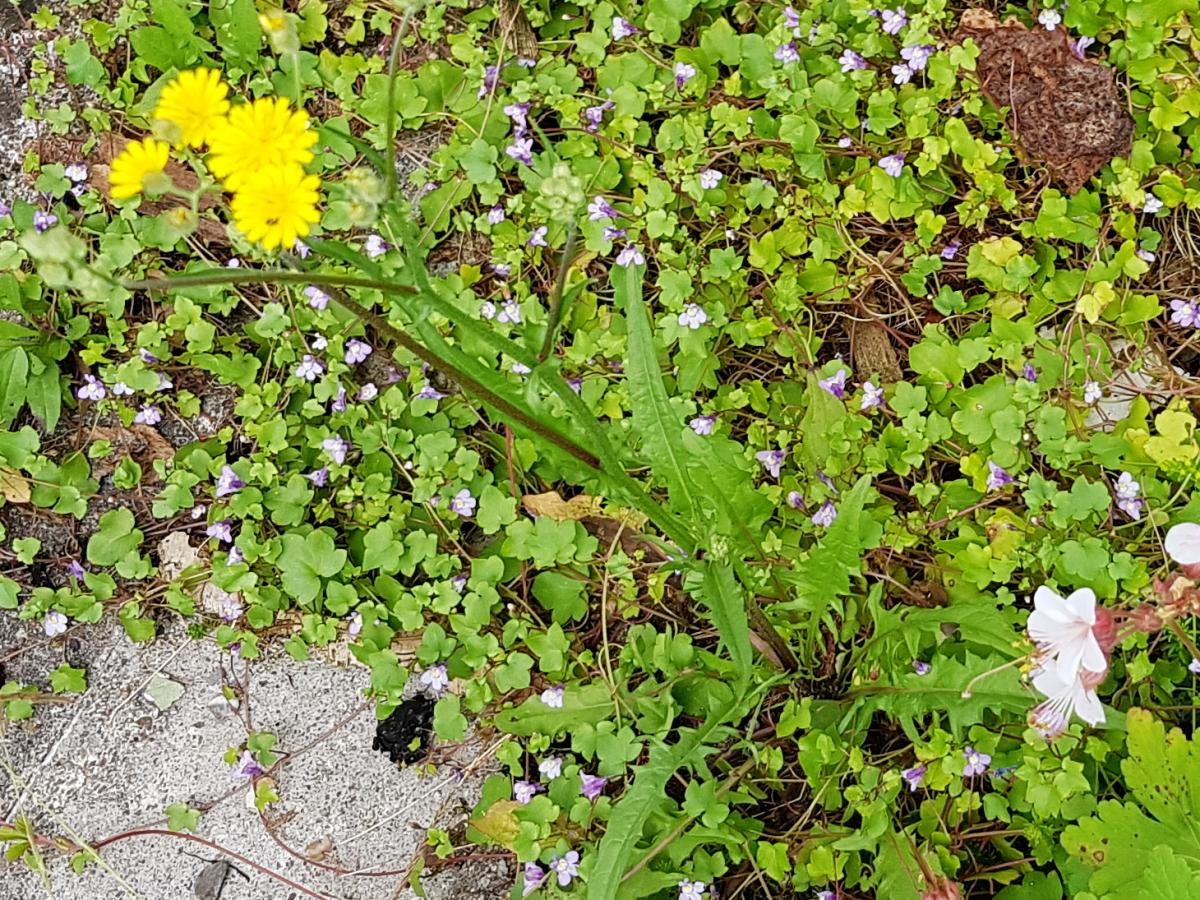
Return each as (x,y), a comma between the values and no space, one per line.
(139,167)
(258,135)
(276,205)
(193,103)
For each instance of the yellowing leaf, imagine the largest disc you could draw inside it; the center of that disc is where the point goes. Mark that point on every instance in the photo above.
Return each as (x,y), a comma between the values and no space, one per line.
(1092,305)
(553,506)
(498,823)
(999,251)
(13,486)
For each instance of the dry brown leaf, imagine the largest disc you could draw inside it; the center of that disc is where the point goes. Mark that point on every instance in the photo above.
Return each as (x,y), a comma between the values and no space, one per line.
(553,506)
(13,486)
(319,850)
(140,442)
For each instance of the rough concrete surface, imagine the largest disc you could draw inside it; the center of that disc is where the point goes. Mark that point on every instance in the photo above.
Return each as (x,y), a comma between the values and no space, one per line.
(112,761)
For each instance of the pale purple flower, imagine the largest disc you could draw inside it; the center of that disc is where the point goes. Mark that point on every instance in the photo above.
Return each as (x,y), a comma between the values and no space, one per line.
(309,369)
(684,72)
(487,310)
(591,786)
(356,351)
(550,767)
(459,583)
(491,78)
(795,500)
(301,249)
(524,791)
(1151,204)
(594,115)
(5,208)
(54,623)
(872,397)
(495,215)
(164,383)
(845,141)
(787,53)
(222,531)
(521,149)
(44,221)
(997,477)
(510,313)
(147,357)
(463,503)
(851,61)
(622,28)
(791,18)
(519,368)
(614,234)
(319,477)
(921,667)
(914,776)
(893,164)
(502,270)
(600,209)
(538,237)
(1028,372)
(772,461)
(92,389)
(951,250)
(230,608)
(233,263)
(893,20)
(901,74)
(825,515)
(76,570)
(532,879)
(917,56)
(703,425)
(435,678)
(247,766)
(235,556)
(693,890)
(518,114)
(429,392)
(1185,313)
(1049,18)
(376,246)
(1194,666)
(367,392)
(630,255)
(575,384)
(693,316)
(710,178)
(1128,492)
(553,696)
(977,763)
(336,448)
(1145,255)
(835,385)
(228,482)
(317,298)
(355,624)
(1092,392)
(566,867)
(1079,47)
(76,172)
(121,389)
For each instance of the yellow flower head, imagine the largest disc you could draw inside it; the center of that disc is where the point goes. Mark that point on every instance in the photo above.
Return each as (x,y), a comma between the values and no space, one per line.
(276,205)
(139,167)
(193,104)
(258,135)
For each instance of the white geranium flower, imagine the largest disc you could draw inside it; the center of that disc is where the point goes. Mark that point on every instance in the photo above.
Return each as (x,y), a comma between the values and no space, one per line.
(1183,543)
(1062,630)
(1064,698)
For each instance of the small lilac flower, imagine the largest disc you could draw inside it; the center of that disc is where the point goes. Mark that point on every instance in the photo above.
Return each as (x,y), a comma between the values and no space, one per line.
(463,504)
(521,149)
(230,609)
(893,20)
(538,238)
(234,556)
(146,356)
(5,207)
(622,28)
(459,583)
(693,316)
(532,879)
(921,667)
(317,298)
(1049,18)
(1185,314)
(496,215)
(630,255)
(76,570)
(600,209)
(1194,666)
(710,178)
(845,141)
(1128,493)
(487,310)
(336,448)
(233,263)
(787,53)
(435,678)
(518,114)
(510,313)
(566,867)
(851,61)
(591,786)
(550,767)
(825,515)
(367,392)
(491,78)
(54,623)
(614,234)
(301,249)
(703,425)
(44,221)
(575,384)
(553,696)
(339,401)
(93,389)
(917,56)
(901,74)
(519,368)
(228,482)
(1079,47)
(872,397)
(835,385)
(1151,204)
(502,270)
(222,531)
(429,392)
(164,383)
(914,776)
(827,481)
(319,477)
(825,895)
(309,369)
(977,763)
(356,351)
(594,115)
(893,164)
(795,500)
(121,389)
(772,461)
(693,890)
(524,791)
(354,624)
(76,172)
(247,766)
(791,18)
(997,477)
(1028,372)
(376,246)
(684,72)
(951,250)
(1145,255)
(1092,392)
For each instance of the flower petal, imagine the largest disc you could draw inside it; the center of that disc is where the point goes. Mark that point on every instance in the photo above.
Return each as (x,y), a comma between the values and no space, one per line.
(1183,543)
(1082,605)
